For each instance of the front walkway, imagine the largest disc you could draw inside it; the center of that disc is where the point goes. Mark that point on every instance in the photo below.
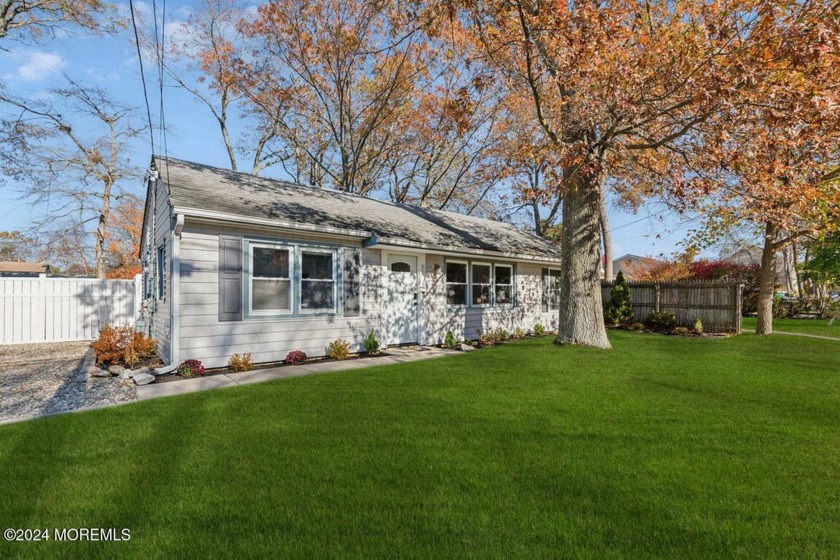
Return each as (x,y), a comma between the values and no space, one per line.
(820,336)
(394,356)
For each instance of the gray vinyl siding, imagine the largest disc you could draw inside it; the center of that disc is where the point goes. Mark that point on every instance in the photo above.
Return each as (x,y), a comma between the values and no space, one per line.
(204,337)
(161,315)
(467,322)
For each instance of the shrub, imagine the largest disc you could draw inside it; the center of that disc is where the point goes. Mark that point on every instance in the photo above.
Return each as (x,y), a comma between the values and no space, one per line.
(191,368)
(661,321)
(295,357)
(338,349)
(500,334)
(698,326)
(371,344)
(637,327)
(539,329)
(241,362)
(681,330)
(123,345)
(620,306)
(449,340)
(487,338)
(518,333)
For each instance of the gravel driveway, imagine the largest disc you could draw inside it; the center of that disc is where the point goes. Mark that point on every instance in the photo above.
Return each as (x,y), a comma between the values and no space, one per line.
(38,379)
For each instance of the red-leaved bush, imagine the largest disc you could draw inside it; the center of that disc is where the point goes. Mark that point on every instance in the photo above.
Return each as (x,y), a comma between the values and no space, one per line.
(191,368)
(295,357)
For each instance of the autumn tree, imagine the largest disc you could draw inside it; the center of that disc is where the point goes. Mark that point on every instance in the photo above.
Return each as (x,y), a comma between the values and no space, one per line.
(23,19)
(124,232)
(611,85)
(17,246)
(70,152)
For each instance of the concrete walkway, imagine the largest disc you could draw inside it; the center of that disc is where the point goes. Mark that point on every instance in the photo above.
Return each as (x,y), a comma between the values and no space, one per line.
(181,387)
(806,335)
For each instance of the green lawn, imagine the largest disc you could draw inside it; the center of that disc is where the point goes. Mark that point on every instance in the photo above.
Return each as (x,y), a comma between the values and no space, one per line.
(805,326)
(663,447)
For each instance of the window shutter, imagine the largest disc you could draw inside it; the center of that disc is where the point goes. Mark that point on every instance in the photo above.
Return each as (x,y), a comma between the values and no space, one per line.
(352,282)
(230,278)
(546,284)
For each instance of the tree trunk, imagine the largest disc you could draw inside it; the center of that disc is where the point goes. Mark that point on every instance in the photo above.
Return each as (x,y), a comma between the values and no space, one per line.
(102,232)
(581,311)
(767,281)
(605,235)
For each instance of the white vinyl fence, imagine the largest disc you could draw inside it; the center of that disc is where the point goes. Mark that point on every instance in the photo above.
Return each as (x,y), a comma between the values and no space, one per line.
(64,309)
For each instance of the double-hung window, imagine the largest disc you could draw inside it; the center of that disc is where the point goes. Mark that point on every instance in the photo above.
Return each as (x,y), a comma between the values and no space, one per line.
(456,283)
(481,284)
(553,289)
(271,279)
(317,281)
(504,284)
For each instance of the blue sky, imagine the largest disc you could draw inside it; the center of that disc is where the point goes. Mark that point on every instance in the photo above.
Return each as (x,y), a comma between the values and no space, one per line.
(111,62)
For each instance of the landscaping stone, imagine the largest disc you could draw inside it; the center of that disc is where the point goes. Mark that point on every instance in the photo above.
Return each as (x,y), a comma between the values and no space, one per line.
(116,370)
(126,374)
(142,370)
(466,347)
(94,371)
(143,378)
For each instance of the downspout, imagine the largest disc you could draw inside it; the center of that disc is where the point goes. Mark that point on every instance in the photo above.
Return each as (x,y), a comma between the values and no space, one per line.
(175,296)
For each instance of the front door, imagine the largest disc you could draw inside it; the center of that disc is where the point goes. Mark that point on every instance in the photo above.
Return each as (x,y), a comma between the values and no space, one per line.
(401,299)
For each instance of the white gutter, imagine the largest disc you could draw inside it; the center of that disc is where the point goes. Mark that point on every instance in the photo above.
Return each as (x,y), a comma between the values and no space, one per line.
(175,299)
(239,219)
(457,251)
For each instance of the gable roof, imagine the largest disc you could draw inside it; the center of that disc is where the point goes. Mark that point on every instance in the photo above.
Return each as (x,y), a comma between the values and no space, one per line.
(196,189)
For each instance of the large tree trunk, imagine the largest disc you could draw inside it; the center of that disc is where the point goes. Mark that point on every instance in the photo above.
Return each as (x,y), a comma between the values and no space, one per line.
(581,311)
(605,234)
(102,232)
(767,281)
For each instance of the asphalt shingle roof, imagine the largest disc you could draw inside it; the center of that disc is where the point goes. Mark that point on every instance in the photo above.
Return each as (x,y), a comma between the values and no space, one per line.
(202,187)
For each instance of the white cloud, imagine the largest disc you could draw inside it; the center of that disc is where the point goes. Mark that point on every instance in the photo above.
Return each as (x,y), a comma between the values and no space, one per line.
(39,65)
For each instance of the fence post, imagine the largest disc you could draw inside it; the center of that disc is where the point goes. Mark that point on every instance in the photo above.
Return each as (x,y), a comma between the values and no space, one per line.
(42,303)
(738,310)
(656,297)
(138,295)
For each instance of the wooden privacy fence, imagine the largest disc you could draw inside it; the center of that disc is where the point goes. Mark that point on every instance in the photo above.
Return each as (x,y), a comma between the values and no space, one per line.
(63,309)
(717,305)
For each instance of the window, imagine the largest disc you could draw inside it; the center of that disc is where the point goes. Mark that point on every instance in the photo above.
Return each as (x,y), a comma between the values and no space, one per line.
(504,284)
(161,272)
(456,283)
(317,281)
(481,284)
(553,289)
(271,283)
(400,267)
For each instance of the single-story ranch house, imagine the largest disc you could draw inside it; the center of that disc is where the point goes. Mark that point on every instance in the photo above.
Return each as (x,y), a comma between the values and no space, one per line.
(235,263)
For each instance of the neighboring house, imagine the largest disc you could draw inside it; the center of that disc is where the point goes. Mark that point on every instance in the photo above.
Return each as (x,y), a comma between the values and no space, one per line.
(238,263)
(15,269)
(748,254)
(628,264)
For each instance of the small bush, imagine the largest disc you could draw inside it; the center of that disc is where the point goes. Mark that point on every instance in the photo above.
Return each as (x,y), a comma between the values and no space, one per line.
(698,326)
(371,344)
(123,345)
(661,321)
(681,330)
(449,340)
(191,368)
(241,362)
(487,338)
(295,357)
(637,327)
(500,334)
(518,333)
(539,329)
(619,308)
(338,349)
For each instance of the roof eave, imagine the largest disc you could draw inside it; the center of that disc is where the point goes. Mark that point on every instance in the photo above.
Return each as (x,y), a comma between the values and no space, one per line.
(458,251)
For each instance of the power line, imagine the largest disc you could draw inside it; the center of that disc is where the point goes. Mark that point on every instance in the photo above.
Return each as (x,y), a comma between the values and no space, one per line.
(142,74)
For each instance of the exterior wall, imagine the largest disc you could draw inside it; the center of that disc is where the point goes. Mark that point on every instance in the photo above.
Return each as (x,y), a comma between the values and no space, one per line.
(466,322)
(204,337)
(157,311)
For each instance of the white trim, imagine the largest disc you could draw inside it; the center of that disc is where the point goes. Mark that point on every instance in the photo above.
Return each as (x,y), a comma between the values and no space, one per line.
(225,217)
(548,288)
(175,293)
(290,279)
(471,297)
(512,285)
(466,284)
(333,253)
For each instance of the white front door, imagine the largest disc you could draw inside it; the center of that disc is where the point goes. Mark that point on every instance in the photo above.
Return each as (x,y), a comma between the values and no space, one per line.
(400,309)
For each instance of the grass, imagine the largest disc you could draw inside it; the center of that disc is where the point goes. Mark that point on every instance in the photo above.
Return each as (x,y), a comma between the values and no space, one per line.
(804,326)
(663,447)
